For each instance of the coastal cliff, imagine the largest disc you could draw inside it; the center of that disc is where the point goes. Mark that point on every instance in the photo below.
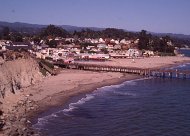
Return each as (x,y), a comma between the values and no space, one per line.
(16,75)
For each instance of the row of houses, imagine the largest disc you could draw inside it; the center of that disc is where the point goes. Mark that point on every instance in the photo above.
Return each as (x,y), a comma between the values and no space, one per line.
(103,49)
(112,41)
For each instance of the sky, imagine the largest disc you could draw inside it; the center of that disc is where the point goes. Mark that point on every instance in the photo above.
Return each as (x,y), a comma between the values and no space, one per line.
(171,16)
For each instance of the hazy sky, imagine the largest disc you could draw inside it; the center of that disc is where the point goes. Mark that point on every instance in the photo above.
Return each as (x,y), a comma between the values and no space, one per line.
(152,15)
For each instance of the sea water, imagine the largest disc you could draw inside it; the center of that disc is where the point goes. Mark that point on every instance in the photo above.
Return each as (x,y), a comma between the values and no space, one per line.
(143,107)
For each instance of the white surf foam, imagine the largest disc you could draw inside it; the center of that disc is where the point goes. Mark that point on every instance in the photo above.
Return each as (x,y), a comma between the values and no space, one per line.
(73,106)
(42,121)
(180,66)
(98,92)
(124,93)
(113,89)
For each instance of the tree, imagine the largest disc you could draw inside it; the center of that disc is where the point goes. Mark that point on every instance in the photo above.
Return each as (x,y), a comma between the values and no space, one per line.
(36,39)
(114,33)
(143,40)
(105,51)
(54,31)
(84,45)
(52,44)
(16,37)
(5,33)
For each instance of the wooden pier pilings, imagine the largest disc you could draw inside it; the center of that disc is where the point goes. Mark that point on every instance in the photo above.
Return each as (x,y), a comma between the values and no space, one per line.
(169,73)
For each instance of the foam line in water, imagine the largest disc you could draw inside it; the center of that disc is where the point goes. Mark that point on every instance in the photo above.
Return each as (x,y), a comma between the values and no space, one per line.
(111,87)
(99,91)
(42,121)
(79,102)
(124,93)
(180,66)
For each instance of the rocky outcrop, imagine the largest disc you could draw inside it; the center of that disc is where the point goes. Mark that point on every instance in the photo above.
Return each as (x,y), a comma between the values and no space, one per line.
(18,74)
(16,122)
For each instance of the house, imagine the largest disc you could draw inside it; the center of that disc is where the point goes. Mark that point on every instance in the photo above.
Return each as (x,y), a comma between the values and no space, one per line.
(87,40)
(119,54)
(94,41)
(169,43)
(134,53)
(4,44)
(75,50)
(112,41)
(136,41)
(94,56)
(148,53)
(117,47)
(69,40)
(100,56)
(123,41)
(116,41)
(101,46)
(101,40)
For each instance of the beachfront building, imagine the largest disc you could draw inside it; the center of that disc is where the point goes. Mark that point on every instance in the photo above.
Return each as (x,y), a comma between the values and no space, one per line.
(117,47)
(134,53)
(52,53)
(131,53)
(148,53)
(94,56)
(102,46)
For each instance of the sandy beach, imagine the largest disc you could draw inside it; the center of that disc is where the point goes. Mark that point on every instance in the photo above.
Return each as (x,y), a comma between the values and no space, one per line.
(54,91)
(150,62)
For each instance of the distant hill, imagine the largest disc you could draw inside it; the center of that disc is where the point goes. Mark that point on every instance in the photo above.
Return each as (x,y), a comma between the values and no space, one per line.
(179,36)
(21,27)
(34,28)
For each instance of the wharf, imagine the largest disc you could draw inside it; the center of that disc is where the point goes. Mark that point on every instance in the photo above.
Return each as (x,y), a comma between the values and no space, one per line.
(162,73)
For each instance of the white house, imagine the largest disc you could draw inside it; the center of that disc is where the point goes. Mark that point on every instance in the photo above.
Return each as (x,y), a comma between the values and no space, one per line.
(136,41)
(134,53)
(102,46)
(116,41)
(117,47)
(101,40)
(148,53)
(123,41)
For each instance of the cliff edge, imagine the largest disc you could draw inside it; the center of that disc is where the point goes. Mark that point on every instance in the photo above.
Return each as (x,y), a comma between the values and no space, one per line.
(18,74)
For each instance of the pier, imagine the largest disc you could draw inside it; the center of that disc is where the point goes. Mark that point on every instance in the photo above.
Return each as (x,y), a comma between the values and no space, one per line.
(161,73)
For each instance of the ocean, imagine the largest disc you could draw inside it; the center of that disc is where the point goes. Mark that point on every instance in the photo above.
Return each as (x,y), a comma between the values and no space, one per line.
(142,107)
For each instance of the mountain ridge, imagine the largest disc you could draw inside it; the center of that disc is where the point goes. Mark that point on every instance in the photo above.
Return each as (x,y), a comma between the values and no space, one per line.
(34,28)
(19,26)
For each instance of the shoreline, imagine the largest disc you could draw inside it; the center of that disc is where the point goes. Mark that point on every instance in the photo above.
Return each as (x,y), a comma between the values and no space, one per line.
(62,99)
